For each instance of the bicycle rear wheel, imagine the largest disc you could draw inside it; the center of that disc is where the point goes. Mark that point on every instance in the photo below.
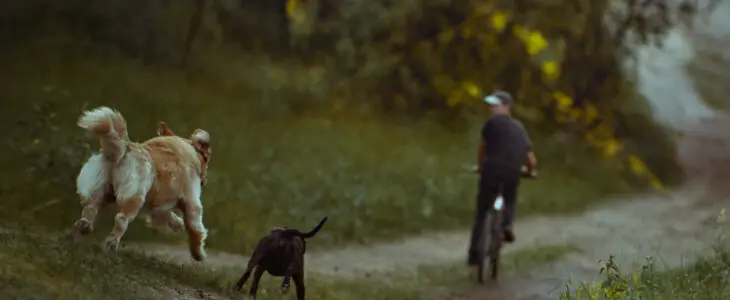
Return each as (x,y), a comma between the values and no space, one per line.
(483,247)
(493,237)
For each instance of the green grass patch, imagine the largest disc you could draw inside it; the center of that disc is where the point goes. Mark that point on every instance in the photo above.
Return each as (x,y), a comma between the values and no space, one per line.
(377,177)
(706,278)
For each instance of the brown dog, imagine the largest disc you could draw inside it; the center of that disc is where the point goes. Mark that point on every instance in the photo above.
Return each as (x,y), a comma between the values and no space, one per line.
(281,253)
(152,178)
(163,130)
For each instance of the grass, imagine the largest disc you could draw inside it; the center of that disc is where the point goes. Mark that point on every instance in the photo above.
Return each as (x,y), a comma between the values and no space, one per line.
(47,266)
(707,278)
(377,177)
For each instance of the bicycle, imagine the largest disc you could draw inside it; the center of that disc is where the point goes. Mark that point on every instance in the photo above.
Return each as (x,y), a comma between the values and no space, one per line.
(494,234)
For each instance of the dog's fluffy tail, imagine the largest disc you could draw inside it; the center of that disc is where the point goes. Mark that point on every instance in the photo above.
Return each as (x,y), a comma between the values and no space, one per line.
(111,129)
(315,230)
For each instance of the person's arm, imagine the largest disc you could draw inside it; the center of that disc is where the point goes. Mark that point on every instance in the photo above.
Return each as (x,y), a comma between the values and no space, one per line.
(531,157)
(482,150)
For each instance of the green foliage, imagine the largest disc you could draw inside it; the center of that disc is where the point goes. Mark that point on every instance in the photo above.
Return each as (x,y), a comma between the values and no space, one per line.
(705,279)
(377,177)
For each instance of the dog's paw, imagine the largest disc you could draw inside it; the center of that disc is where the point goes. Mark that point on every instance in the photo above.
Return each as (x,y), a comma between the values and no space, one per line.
(284,288)
(83,226)
(198,254)
(111,244)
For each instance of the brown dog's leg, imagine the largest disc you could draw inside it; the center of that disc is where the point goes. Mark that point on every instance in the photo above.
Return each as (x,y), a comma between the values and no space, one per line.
(293,268)
(243,279)
(85,224)
(193,214)
(252,263)
(299,283)
(128,210)
(255,284)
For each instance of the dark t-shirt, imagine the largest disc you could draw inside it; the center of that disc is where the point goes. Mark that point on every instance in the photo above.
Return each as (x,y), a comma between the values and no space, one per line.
(507,142)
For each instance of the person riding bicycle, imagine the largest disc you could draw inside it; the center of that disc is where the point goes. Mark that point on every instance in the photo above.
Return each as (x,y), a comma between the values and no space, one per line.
(504,149)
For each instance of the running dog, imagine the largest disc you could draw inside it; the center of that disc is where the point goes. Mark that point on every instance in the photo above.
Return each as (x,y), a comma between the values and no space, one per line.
(280,253)
(153,178)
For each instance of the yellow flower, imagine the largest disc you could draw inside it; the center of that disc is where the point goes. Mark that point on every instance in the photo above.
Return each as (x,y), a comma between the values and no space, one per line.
(471,88)
(655,183)
(294,12)
(551,70)
(611,147)
(499,20)
(564,102)
(636,165)
(535,42)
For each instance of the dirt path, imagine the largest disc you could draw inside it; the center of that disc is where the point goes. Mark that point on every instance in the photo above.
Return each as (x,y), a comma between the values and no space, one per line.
(630,229)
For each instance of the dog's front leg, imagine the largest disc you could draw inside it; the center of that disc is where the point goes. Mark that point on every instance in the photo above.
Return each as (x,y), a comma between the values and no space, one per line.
(128,210)
(255,284)
(197,233)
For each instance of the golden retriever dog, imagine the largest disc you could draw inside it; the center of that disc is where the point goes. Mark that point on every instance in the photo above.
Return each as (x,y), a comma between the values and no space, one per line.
(150,178)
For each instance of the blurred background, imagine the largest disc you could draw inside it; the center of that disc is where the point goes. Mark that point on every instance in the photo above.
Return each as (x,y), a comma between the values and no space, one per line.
(365,111)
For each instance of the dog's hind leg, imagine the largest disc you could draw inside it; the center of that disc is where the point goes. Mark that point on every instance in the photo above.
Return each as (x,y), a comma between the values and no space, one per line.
(128,210)
(165,222)
(93,185)
(255,284)
(290,270)
(85,224)
(299,283)
(193,213)
(252,263)
(243,279)
(131,181)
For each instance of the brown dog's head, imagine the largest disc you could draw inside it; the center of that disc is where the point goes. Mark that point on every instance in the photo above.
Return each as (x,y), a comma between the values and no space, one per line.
(200,139)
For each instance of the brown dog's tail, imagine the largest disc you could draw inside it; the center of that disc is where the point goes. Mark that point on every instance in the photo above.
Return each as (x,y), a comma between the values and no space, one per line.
(111,129)
(306,235)
(315,230)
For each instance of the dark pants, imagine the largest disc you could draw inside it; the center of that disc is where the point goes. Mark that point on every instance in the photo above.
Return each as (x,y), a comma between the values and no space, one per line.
(493,181)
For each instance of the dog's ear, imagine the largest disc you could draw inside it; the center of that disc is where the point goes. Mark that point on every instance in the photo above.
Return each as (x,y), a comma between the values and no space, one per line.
(163,130)
(201,140)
